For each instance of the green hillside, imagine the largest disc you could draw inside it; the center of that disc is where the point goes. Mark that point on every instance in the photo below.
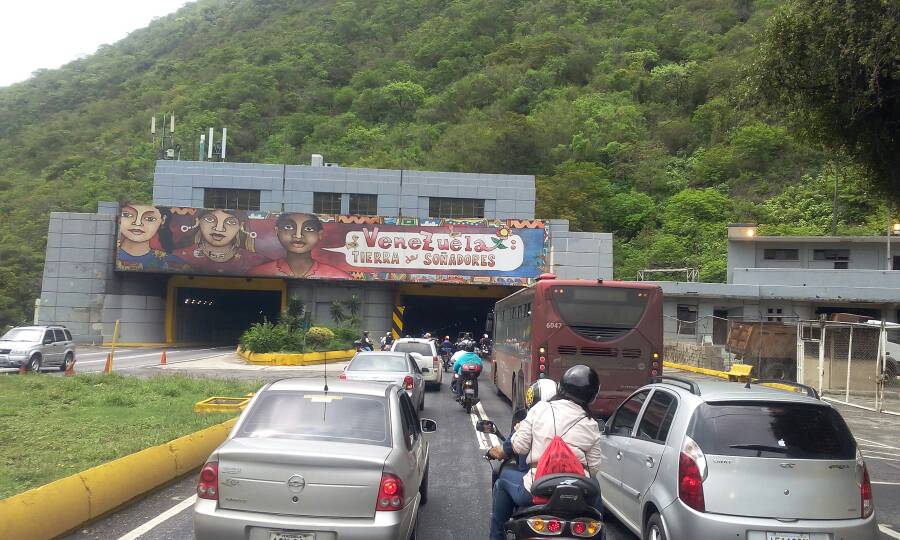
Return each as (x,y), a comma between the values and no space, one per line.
(632,113)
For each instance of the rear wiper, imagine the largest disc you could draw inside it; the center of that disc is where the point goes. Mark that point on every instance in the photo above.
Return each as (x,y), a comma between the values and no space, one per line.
(760,448)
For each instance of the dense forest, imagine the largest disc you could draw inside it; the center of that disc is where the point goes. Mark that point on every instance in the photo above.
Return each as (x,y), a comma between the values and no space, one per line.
(635,116)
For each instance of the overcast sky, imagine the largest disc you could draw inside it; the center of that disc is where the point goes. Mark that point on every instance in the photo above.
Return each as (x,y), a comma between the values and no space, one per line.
(36,34)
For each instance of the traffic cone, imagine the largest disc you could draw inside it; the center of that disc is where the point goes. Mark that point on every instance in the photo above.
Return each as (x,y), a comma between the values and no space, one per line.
(70,369)
(162,359)
(108,367)
(23,369)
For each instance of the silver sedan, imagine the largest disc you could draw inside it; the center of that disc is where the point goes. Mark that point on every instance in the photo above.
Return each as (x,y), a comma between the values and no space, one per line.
(399,368)
(306,461)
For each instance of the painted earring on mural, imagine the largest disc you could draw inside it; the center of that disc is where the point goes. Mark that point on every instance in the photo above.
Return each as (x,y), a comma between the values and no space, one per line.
(185,228)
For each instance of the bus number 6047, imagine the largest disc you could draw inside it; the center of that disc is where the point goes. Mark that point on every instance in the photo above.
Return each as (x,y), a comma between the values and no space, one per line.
(554,325)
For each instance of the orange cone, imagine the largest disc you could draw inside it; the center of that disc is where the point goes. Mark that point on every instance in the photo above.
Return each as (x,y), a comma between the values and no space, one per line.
(162,359)
(70,369)
(23,369)
(108,367)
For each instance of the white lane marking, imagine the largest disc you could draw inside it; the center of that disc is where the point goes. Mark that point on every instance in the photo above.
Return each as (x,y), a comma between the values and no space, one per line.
(882,458)
(148,526)
(157,354)
(892,454)
(889,531)
(885,483)
(876,443)
(99,353)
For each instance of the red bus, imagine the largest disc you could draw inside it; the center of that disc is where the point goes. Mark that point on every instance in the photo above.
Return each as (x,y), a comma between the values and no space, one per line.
(615,327)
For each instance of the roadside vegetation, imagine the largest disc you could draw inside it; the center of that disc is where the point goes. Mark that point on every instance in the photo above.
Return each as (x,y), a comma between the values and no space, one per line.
(52,427)
(269,337)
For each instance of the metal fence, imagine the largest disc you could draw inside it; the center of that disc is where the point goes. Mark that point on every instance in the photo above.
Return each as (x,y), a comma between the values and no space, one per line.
(717,343)
(850,363)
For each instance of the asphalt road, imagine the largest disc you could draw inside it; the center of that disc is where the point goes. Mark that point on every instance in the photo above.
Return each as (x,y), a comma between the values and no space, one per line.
(90,359)
(459,491)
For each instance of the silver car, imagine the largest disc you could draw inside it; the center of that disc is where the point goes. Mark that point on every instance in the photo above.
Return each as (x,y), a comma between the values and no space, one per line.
(310,462)
(37,347)
(713,460)
(399,368)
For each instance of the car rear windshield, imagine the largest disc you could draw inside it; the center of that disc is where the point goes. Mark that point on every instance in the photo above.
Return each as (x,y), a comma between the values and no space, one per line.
(772,430)
(596,305)
(414,347)
(23,334)
(318,416)
(378,362)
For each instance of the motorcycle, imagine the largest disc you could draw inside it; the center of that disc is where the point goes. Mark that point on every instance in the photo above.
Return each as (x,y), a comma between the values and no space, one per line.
(566,515)
(468,379)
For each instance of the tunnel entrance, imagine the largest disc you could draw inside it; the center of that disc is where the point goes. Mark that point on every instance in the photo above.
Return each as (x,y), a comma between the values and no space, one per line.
(449,310)
(220,316)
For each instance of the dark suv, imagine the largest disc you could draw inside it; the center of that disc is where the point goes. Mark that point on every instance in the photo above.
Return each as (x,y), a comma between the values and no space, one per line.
(37,347)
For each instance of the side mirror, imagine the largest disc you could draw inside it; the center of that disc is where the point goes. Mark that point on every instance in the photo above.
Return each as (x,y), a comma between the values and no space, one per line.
(428,425)
(486,426)
(602,425)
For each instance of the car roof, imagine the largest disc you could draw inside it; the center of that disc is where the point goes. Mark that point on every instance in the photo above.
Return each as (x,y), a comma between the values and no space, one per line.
(713,391)
(413,340)
(38,327)
(335,385)
(380,353)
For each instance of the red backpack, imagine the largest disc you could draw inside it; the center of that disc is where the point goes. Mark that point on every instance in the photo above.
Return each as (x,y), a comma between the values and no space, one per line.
(557,458)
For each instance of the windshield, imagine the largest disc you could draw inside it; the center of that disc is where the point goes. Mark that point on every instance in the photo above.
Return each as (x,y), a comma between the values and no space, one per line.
(378,362)
(414,347)
(318,416)
(773,430)
(599,306)
(23,334)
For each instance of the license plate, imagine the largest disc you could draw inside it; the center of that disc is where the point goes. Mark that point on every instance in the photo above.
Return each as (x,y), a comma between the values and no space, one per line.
(787,536)
(282,535)
(470,391)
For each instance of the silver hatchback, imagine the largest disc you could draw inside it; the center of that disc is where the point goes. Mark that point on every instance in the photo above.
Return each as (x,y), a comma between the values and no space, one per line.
(713,460)
(37,347)
(310,462)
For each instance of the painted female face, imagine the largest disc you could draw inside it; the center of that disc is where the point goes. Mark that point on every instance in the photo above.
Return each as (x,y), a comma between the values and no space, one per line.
(139,223)
(298,233)
(219,228)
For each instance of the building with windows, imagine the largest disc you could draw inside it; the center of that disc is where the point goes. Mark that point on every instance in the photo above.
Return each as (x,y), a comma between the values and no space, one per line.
(788,278)
(227,244)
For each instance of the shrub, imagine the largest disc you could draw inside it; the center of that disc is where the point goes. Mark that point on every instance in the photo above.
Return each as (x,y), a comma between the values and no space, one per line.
(318,337)
(265,337)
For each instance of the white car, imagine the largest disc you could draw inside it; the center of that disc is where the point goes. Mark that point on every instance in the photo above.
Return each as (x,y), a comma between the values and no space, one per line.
(424,351)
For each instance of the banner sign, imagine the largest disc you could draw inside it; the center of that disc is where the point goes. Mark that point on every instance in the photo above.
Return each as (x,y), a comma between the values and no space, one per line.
(311,246)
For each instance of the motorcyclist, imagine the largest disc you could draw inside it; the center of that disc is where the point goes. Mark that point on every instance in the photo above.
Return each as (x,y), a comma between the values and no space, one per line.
(484,342)
(567,415)
(387,341)
(468,356)
(446,347)
(365,343)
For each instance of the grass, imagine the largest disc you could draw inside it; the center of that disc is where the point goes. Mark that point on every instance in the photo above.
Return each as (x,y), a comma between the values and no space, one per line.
(52,427)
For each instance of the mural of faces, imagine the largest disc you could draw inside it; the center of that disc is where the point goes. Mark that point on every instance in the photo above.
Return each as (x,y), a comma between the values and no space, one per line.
(298,233)
(219,228)
(139,223)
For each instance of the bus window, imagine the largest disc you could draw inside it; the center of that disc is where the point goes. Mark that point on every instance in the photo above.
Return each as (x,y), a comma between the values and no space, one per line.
(622,308)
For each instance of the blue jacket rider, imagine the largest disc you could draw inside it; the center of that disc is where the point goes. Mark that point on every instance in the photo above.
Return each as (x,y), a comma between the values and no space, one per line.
(468,358)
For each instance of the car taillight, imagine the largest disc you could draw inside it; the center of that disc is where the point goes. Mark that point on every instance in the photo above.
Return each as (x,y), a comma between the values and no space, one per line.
(866,504)
(691,473)
(390,494)
(208,486)
(435,362)
(342,376)
(554,526)
(408,382)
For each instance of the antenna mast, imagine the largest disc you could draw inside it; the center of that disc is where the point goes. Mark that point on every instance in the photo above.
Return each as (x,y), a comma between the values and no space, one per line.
(164,137)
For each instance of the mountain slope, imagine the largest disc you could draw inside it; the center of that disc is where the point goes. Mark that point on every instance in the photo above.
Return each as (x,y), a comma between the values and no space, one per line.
(631,112)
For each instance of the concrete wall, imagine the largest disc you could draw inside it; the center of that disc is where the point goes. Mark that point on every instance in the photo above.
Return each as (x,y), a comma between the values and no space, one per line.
(817,278)
(377,301)
(181,183)
(864,255)
(579,255)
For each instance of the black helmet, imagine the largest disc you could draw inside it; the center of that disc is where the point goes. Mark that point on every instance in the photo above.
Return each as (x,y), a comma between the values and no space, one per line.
(579,384)
(469,346)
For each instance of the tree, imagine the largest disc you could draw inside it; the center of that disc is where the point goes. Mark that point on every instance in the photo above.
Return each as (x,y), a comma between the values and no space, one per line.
(834,67)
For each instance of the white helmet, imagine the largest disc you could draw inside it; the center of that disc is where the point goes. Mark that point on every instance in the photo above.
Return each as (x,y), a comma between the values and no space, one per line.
(540,390)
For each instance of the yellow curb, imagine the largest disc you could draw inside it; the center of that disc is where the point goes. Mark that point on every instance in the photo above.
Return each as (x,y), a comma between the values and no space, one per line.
(294,359)
(722,375)
(221,404)
(77,499)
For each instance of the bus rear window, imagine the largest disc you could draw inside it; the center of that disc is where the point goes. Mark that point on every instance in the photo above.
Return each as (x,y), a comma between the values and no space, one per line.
(598,306)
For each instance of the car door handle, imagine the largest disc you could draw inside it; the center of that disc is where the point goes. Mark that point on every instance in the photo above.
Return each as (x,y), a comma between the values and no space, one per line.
(618,455)
(649,462)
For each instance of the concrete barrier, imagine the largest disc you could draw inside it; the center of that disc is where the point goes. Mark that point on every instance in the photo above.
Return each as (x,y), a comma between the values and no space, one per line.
(295,359)
(63,505)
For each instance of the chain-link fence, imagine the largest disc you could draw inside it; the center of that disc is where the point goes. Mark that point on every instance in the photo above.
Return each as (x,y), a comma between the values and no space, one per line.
(851,363)
(716,343)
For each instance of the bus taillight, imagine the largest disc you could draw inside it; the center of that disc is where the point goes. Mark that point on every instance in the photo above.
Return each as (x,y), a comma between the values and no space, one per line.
(542,363)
